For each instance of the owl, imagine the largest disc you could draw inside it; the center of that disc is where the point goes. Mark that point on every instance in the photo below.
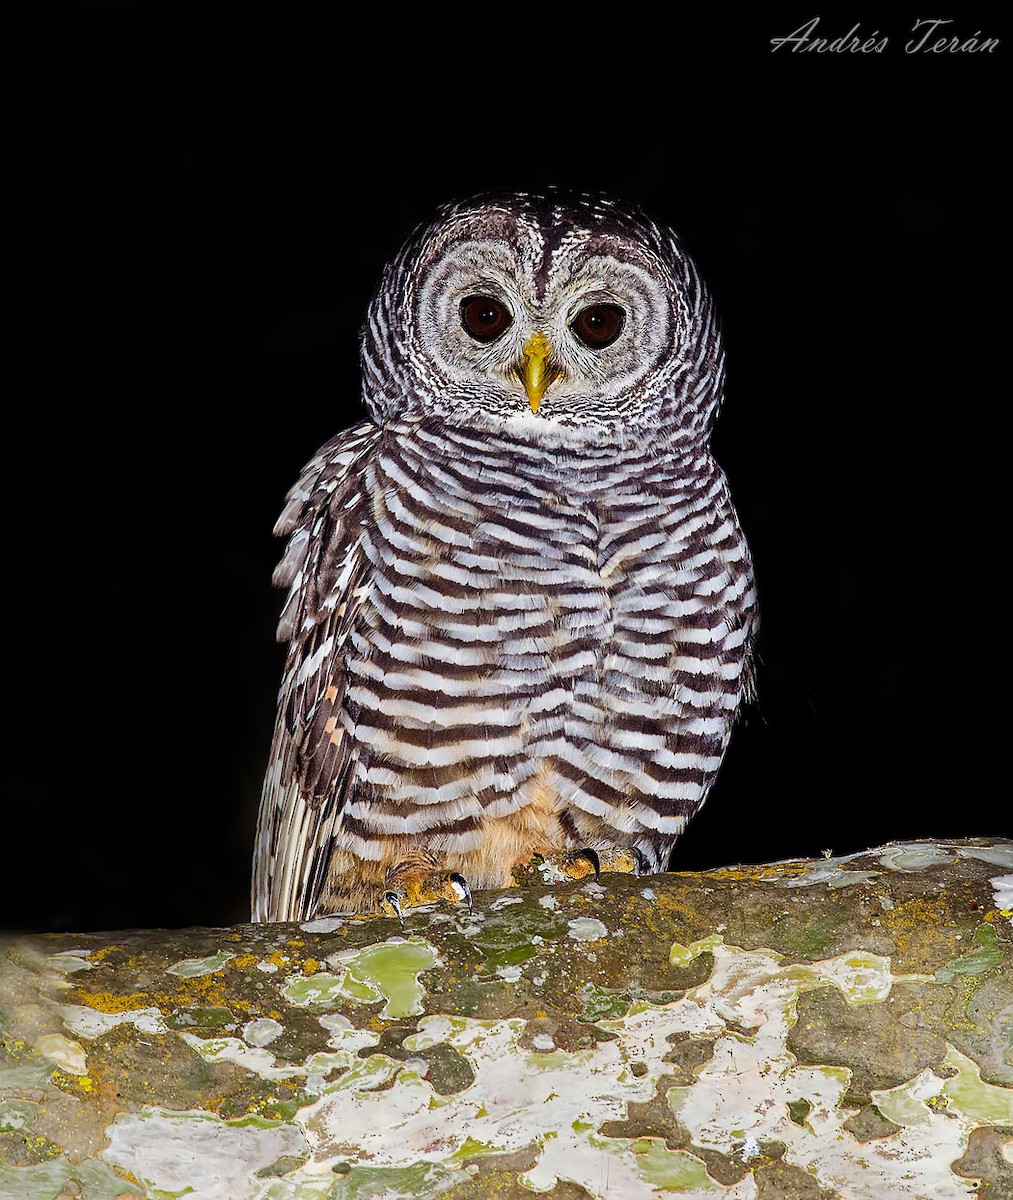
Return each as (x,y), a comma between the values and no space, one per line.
(520,605)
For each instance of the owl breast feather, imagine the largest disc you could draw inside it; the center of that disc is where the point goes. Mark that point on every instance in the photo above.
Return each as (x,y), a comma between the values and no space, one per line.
(532,613)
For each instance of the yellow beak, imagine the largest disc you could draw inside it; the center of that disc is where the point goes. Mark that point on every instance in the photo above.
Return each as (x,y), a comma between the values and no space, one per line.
(535,370)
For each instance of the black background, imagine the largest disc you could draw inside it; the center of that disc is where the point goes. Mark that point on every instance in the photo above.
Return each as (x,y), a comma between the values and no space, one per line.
(199,202)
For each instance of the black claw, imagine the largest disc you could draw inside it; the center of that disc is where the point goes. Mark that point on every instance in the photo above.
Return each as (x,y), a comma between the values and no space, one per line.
(642,866)
(456,877)
(394,901)
(593,859)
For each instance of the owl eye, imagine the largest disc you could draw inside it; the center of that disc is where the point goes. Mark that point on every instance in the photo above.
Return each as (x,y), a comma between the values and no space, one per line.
(598,325)
(485,317)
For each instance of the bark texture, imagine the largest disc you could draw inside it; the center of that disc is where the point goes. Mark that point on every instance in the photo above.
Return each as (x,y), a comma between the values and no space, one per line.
(837,1028)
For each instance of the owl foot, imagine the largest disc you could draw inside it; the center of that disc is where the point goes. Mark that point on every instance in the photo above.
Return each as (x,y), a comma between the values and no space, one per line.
(579,864)
(413,889)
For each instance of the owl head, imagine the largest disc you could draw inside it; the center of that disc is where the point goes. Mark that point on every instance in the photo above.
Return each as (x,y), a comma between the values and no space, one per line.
(556,317)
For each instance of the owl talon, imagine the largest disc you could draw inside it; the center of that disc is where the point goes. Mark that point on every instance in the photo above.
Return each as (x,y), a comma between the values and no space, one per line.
(458,878)
(578,864)
(410,887)
(393,900)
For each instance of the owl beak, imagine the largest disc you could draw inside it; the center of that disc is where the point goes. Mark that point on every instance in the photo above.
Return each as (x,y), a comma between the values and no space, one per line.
(535,369)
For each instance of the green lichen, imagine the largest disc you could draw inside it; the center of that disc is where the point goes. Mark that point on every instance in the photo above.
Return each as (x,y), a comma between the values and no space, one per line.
(982,1103)
(200,1020)
(190,968)
(48,1181)
(389,1183)
(388,971)
(506,956)
(986,955)
(16,1115)
(682,956)
(798,1112)
(807,938)
(675,1170)
(964,1093)
(282,1166)
(601,1004)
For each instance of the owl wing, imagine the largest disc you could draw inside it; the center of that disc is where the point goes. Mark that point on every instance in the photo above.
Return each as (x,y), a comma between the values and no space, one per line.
(327,574)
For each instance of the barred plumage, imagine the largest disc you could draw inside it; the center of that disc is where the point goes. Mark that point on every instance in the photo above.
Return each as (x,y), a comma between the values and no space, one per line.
(519,620)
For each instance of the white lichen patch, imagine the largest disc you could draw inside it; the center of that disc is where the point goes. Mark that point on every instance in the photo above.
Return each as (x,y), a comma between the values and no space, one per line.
(67,1055)
(586,929)
(68,961)
(743,1093)
(198,1154)
(549,902)
(914,856)
(1000,855)
(259,1061)
(434,1030)
(828,871)
(189,968)
(91,1023)
(262,1032)
(267,967)
(936,1115)
(505,902)
(552,1099)
(1002,891)
(550,872)
(510,973)
(345,1036)
(322,925)
(389,971)
(558,1101)
(254,1059)
(863,978)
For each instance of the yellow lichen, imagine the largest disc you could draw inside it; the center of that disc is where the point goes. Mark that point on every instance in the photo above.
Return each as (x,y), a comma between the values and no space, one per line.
(72,1083)
(105,951)
(107,1002)
(922,930)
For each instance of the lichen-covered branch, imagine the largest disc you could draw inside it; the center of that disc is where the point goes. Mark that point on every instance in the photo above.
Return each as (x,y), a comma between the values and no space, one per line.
(834,1028)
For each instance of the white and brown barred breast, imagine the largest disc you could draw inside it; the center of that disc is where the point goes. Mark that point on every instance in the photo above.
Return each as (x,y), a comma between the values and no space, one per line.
(498,651)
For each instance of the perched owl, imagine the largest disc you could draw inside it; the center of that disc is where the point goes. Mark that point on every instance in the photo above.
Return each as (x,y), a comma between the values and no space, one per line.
(520,604)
